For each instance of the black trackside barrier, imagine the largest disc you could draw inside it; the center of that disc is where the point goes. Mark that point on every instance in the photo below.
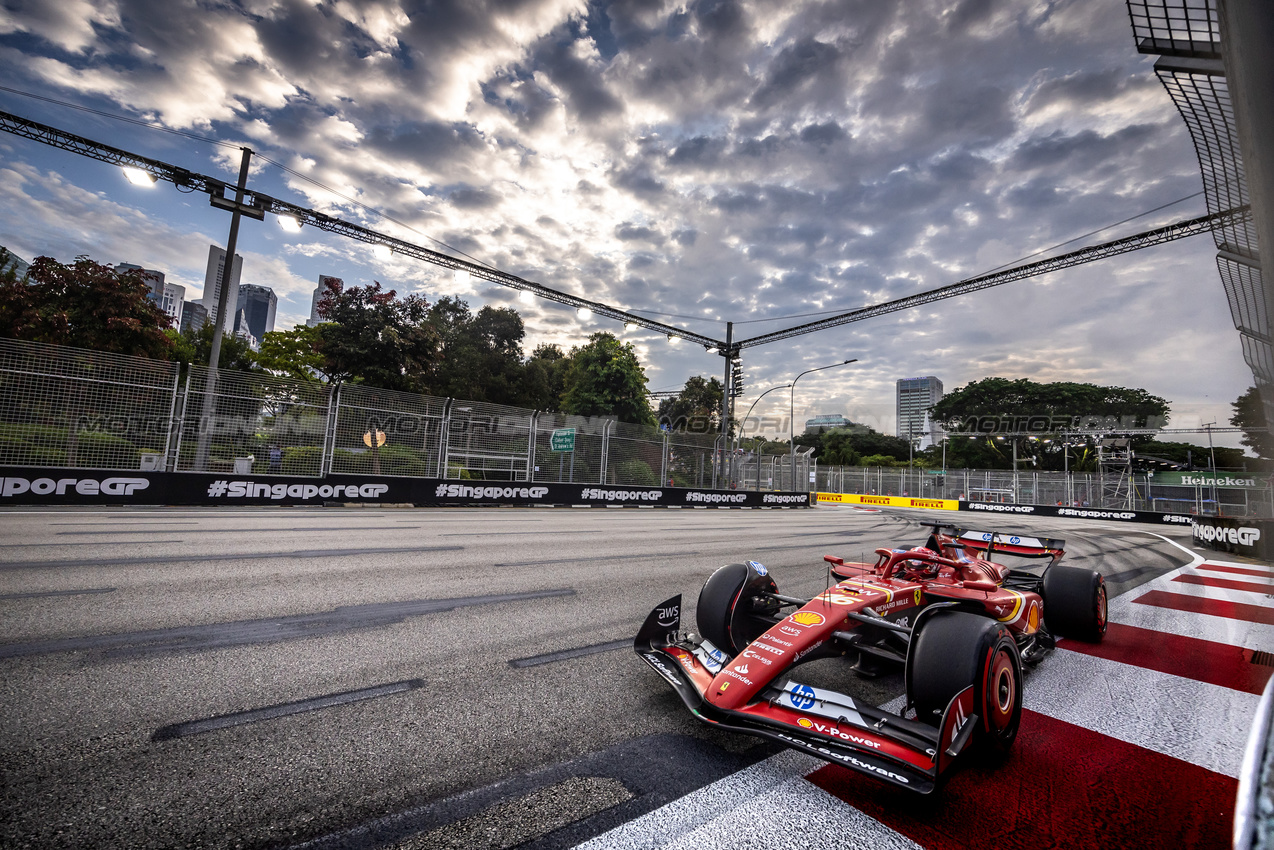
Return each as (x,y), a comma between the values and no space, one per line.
(50,486)
(1251,537)
(1111,514)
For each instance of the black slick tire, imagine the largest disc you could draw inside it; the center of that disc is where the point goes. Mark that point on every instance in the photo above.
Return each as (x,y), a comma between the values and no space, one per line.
(1075,603)
(723,612)
(954,650)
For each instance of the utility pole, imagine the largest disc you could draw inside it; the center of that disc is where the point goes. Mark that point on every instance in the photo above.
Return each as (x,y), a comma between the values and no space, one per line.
(214,358)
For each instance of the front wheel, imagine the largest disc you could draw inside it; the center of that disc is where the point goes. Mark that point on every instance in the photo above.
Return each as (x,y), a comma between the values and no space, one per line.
(955,649)
(725,612)
(1075,603)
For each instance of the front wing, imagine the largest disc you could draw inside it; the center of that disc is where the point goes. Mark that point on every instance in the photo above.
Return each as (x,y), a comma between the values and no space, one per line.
(825,724)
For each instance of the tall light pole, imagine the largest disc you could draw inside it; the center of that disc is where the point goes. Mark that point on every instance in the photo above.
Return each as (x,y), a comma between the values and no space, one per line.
(744,423)
(791,411)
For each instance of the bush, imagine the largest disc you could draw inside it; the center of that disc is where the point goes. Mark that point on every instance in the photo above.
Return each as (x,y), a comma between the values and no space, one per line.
(635,473)
(300,460)
(106,450)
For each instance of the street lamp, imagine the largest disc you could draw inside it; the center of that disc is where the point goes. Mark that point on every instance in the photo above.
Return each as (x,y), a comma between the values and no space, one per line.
(744,424)
(791,411)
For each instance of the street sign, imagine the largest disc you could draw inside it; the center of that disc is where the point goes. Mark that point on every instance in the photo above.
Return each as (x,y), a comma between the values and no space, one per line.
(563,440)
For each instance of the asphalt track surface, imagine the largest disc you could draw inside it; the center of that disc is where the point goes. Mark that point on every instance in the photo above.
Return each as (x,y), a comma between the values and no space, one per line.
(464,678)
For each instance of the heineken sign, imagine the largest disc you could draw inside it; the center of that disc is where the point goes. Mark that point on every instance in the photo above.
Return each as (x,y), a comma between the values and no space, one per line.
(1208,479)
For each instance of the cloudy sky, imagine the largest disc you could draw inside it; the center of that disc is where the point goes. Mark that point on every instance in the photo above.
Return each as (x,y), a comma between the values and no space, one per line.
(703,161)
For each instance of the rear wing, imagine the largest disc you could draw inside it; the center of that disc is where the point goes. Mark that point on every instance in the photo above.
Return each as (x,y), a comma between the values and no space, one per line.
(1004,543)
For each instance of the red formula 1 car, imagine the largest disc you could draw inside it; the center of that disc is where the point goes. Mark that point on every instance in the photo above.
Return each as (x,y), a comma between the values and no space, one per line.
(961,624)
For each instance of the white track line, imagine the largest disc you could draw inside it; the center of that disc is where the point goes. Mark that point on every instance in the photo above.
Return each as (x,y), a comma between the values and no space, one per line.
(766,805)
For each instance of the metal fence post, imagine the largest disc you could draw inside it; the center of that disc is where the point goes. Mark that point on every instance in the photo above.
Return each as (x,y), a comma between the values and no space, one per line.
(444,438)
(328,453)
(181,428)
(530,446)
(663,462)
(605,449)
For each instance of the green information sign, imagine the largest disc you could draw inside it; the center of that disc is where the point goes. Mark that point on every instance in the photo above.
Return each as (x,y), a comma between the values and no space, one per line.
(563,440)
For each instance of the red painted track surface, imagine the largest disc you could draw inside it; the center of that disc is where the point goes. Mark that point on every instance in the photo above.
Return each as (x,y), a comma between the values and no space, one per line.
(1062,786)
(1210,607)
(1202,660)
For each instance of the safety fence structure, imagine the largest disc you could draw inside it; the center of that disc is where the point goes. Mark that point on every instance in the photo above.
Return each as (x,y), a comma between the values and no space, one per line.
(71,408)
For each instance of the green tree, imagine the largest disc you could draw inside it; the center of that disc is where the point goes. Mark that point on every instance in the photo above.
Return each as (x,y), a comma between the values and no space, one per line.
(607,379)
(544,381)
(84,305)
(195,346)
(1249,414)
(697,406)
(294,354)
(375,337)
(1023,404)
(479,356)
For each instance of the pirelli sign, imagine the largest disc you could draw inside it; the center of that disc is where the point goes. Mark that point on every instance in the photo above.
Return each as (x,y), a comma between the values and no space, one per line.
(889,501)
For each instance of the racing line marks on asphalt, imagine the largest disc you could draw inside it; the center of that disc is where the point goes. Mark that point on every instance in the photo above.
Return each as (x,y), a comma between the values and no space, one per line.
(218,556)
(241,530)
(239,718)
(37,594)
(265,630)
(567,654)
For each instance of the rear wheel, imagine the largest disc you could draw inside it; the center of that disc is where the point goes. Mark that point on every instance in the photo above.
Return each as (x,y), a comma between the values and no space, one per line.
(1075,603)
(725,613)
(954,650)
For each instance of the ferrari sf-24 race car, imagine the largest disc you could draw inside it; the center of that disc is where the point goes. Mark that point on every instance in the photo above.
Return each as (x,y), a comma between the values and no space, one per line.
(961,625)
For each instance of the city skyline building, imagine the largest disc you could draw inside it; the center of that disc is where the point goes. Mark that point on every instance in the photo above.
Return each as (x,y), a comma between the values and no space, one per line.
(212,286)
(337,283)
(153,277)
(193,315)
(915,397)
(827,420)
(20,266)
(171,303)
(255,310)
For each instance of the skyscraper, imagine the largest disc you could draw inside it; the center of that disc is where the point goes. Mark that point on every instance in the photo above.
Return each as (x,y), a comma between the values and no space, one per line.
(915,397)
(174,296)
(256,306)
(193,315)
(152,277)
(212,286)
(324,280)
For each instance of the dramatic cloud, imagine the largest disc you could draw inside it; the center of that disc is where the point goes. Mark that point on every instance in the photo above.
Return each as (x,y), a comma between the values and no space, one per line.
(762,163)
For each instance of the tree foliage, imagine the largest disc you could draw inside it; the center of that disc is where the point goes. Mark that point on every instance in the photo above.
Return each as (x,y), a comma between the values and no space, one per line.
(1249,414)
(479,356)
(294,354)
(607,379)
(377,338)
(698,402)
(84,305)
(1023,404)
(544,381)
(195,346)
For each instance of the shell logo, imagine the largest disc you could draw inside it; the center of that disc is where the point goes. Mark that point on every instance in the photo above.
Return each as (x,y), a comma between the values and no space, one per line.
(808,618)
(805,722)
(1033,619)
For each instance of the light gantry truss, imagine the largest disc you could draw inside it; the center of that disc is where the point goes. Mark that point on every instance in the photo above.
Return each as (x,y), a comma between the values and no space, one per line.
(1180,230)
(257,204)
